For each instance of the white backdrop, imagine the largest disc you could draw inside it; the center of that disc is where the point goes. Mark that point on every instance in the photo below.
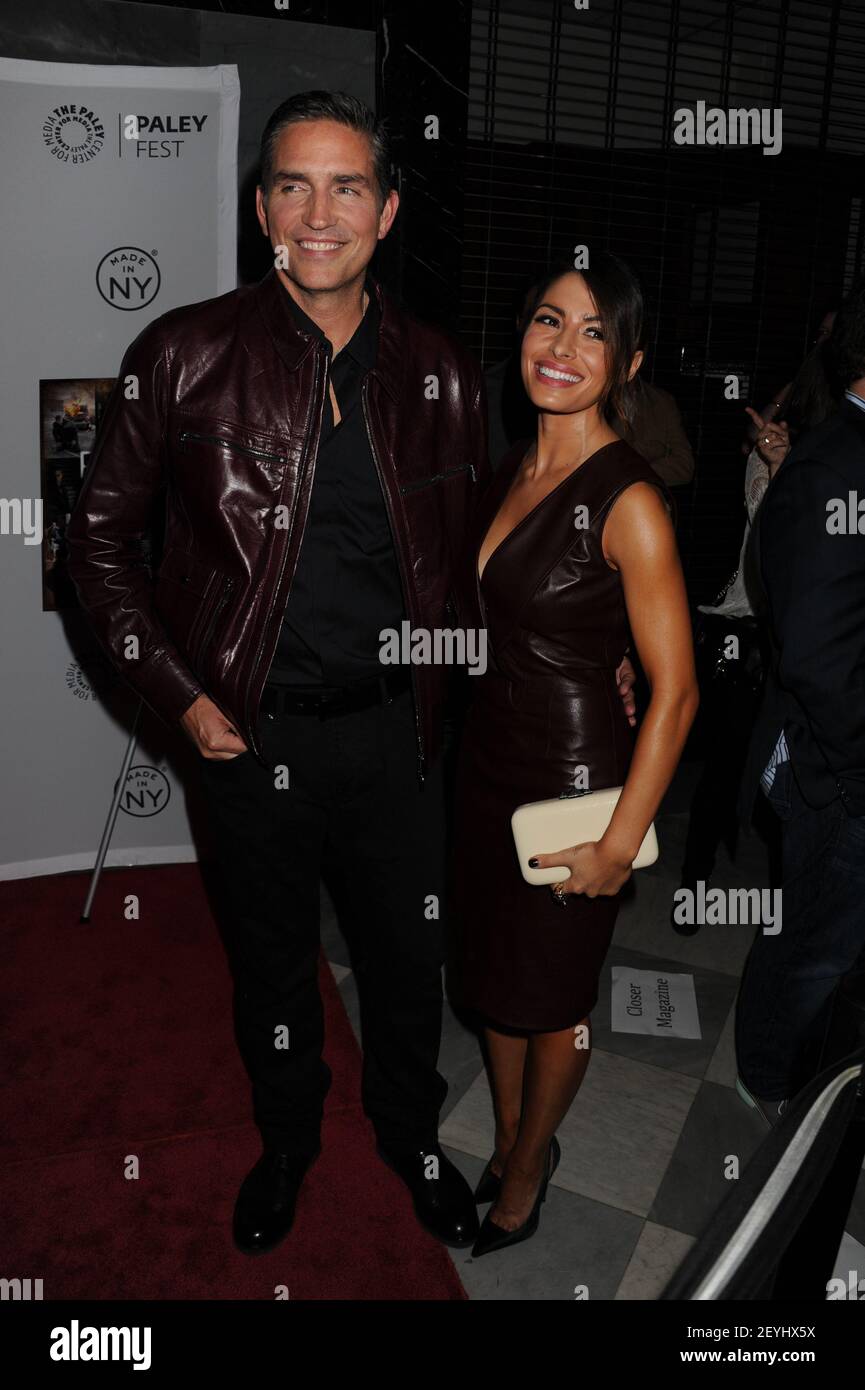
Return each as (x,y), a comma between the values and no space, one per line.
(99,235)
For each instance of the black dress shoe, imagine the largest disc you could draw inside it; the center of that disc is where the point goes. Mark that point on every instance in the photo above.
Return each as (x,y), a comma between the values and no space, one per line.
(264,1211)
(442,1198)
(493,1237)
(489,1185)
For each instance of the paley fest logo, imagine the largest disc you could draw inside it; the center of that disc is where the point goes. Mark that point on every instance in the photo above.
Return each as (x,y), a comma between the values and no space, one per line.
(146,793)
(128,278)
(73,133)
(145,137)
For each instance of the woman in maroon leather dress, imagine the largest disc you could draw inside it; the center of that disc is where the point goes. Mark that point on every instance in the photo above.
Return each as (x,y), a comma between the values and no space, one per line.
(572,555)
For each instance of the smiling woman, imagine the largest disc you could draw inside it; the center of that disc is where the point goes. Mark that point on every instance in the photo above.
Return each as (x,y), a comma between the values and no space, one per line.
(611,310)
(573,554)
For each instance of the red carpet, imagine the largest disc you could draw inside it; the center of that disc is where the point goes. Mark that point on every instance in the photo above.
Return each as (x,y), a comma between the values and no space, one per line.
(108,1053)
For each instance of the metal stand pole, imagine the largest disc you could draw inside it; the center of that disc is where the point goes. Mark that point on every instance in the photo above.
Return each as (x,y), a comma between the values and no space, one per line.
(112,816)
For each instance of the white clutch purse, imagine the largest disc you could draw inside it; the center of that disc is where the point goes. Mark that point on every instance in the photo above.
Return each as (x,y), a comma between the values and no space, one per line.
(542,827)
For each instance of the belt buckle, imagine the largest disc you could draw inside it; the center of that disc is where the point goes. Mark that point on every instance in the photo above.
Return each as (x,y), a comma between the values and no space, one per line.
(327,705)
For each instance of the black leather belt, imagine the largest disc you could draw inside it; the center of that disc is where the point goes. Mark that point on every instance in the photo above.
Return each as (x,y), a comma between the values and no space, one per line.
(325,701)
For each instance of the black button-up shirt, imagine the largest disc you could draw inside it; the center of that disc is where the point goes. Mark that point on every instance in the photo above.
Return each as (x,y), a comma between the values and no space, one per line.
(346,587)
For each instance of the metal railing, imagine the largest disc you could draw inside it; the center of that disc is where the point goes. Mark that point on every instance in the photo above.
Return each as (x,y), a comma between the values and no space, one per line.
(777,1234)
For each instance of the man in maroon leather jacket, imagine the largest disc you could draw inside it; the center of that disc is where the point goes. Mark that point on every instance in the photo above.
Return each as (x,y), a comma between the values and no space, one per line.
(261,415)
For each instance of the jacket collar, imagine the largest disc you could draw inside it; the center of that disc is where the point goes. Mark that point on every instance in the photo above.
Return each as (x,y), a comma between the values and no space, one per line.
(293,345)
(853,413)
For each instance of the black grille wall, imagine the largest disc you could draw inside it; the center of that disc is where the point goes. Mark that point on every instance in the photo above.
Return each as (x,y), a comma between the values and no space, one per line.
(570,142)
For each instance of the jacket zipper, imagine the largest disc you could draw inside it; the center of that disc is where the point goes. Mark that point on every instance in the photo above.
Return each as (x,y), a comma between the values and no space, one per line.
(439,477)
(231,444)
(221,602)
(300,473)
(415,703)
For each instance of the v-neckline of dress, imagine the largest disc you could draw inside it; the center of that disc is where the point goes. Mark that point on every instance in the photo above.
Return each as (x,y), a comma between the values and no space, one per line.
(479,574)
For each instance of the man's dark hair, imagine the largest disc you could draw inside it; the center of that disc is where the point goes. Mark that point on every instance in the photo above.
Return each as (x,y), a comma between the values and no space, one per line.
(847,343)
(616,291)
(328,106)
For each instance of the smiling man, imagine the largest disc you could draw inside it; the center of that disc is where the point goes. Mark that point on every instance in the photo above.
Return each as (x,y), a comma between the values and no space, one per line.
(321,451)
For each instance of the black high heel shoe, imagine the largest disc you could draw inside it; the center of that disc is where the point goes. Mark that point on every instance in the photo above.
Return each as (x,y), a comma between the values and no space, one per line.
(494,1237)
(489,1185)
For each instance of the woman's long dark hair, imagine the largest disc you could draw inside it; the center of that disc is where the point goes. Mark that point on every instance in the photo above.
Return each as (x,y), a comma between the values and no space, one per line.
(616,291)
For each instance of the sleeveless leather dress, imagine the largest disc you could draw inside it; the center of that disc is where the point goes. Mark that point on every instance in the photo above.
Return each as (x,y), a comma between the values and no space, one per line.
(547,706)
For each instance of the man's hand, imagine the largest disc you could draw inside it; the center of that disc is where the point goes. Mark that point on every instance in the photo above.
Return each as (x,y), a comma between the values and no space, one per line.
(625,678)
(211,732)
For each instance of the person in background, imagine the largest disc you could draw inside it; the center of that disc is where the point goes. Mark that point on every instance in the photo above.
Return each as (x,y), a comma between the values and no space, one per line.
(777,408)
(807,753)
(732,672)
(658,435)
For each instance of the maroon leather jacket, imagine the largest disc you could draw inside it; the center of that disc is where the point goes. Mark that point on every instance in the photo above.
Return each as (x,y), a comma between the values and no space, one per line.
(221,403)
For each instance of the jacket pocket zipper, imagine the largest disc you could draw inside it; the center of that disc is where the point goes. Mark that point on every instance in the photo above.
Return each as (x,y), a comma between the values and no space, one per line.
(438,477)
(205,641)
(230,444)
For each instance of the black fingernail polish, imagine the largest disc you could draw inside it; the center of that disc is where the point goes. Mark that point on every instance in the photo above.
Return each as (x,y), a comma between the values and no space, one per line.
(533,863)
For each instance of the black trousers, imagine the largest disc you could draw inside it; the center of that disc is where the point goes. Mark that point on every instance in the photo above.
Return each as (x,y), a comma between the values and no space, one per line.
(354,811)
(728,709)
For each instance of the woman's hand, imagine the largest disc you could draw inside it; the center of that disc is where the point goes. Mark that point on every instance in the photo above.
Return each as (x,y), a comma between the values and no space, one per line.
(773,441)
(596,868)
(625,679)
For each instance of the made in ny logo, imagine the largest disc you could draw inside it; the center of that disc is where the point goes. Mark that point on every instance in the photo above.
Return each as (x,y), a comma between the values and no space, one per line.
(128,278)
(74,134)
(146,793)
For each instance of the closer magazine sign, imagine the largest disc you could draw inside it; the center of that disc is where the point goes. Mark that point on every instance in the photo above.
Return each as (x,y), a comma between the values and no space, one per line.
(120,202)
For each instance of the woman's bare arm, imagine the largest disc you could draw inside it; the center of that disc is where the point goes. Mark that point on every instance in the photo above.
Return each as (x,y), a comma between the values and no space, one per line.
(640,543)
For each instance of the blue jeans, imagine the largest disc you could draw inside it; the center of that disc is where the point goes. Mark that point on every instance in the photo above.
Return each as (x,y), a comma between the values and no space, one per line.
(789,981)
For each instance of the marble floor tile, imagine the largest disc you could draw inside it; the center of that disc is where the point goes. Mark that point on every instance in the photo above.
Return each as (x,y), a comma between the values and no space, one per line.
(718,1125)
(332,939)
(691,1056)
(643,925)
(460,1058)
(581,1249)
(348,990)
(617,1139)
(722,1068)
(657,1256)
